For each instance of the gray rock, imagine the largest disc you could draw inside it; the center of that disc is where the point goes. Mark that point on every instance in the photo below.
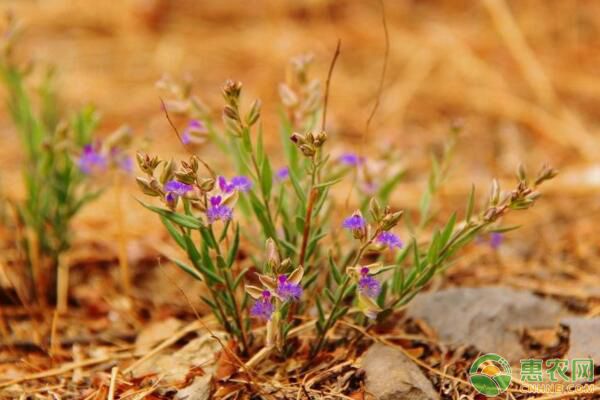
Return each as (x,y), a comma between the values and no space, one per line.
(390,375)
(198,390)
(584,341)
(491,318)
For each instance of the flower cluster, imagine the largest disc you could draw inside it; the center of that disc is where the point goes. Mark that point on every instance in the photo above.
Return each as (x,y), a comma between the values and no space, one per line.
(374,238)
(294,219)
(309,143)
(351,159)
(283,288)
(194,133)
(300,95)
(185,181)
(368,288)
(97,157)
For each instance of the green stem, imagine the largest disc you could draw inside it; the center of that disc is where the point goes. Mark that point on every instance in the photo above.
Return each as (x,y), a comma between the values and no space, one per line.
(312,195)
(338,300)
(237,314)
(264,197)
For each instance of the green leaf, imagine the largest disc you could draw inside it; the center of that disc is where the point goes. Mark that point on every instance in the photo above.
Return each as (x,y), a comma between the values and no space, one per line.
(297,188)
(234,247)
(208,238)
(329,295)
(238,279)
(260,149)
(504,229)
(300,223)
(195,274)
(335,273)
(340,312)
(310,279)
(266,178)
(434,247)
(398,280)
(177,218)
(175,234)
(191,249)
(289,148)
(388,187)
(416,255)
(328,183)
(320,309)
(470,204)
(447,232)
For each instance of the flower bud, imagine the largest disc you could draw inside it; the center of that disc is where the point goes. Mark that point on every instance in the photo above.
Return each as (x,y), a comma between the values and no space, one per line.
(286,264)
(375,209)
(545,174)
(147,164)
(273,260)
(147,187)
(495,193)
(168,171)
(206,184)
(119,138)
(288,97)
(231,113)
(307,150)
(254,113)
(298,138)
(232,90)
(320,138)
(391,220)
(521,173)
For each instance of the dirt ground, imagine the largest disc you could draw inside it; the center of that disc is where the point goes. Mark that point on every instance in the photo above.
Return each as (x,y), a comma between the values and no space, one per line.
(519,76)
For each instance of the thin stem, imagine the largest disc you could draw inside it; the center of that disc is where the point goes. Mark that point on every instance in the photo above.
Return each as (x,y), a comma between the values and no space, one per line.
(264,197)
(305,234)
(338,300)
(312,196)
(362,249)
(329,321)
(237,313)
(328,81)
(383,71)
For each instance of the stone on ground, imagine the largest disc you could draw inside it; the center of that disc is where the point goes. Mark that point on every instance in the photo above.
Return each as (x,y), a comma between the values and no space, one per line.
(391,375)
(491,318)
(584,341)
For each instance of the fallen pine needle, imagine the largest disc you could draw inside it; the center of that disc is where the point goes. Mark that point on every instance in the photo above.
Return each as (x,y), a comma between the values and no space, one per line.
(65,368)
(113,382)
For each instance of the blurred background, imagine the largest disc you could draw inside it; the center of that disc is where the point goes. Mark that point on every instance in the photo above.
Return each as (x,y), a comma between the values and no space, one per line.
(519,76)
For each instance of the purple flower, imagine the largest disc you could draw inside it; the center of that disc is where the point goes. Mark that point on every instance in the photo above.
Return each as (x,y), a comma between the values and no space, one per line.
(177,188)
(496,239)
(91,161)
(354,222)
(390,240)
(282,174)
(263,308)
(288,290)
(241,183)
(351,159)
(194,126)
(126,164)
(368,285)
(218,211)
